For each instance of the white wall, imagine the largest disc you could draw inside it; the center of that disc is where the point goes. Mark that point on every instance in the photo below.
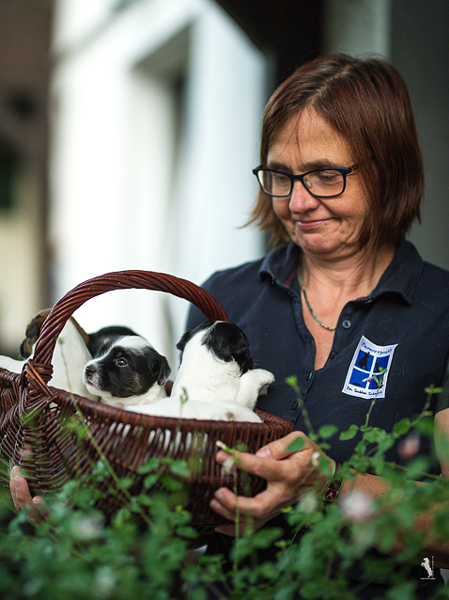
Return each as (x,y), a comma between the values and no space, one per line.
(135,184)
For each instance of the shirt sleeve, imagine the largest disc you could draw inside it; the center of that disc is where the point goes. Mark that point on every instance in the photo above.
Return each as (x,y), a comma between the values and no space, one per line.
(442,400)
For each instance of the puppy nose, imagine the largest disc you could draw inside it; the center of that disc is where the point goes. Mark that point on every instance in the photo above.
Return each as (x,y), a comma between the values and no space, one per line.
(89,369)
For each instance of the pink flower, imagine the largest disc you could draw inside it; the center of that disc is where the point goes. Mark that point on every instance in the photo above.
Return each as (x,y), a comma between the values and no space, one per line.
(409,447)
(357,506)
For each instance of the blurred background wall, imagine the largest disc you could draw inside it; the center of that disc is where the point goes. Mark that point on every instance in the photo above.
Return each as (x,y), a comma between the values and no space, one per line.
(128,130)
(24,75)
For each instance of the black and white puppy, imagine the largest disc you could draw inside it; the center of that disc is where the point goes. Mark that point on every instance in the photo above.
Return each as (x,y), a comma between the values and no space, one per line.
(125,368)
(216,364)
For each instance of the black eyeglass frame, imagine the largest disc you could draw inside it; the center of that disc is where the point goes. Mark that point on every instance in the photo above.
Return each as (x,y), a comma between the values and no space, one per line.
(345,171)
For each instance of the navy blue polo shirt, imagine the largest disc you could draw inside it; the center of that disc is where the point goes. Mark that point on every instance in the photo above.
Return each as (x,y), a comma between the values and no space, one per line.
(388,346)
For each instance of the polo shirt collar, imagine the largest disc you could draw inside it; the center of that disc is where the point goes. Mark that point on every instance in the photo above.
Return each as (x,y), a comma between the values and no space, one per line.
(400,277)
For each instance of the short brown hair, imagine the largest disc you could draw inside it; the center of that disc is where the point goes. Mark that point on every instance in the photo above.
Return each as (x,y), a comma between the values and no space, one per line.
(368,104)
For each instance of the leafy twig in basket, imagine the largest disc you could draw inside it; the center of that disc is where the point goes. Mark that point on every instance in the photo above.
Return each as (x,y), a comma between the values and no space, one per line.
(229,466)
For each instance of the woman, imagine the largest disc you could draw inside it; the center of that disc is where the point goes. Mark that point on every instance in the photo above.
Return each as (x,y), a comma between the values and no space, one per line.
(343,302)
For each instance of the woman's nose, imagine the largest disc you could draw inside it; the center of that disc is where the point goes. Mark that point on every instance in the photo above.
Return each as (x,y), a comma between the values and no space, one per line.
(301,200)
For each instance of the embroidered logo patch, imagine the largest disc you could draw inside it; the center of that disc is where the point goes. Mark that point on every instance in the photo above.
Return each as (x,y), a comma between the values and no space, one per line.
(368,372)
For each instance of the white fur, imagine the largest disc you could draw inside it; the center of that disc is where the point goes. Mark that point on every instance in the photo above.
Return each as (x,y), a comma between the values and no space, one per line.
(69,359)
(154,394)
(215,410)
(204,377)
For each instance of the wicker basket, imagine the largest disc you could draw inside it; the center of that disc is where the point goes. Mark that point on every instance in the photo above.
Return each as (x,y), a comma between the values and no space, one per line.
(33,418)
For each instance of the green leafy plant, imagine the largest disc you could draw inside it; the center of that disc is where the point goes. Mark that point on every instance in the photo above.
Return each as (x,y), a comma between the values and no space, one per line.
(76,553)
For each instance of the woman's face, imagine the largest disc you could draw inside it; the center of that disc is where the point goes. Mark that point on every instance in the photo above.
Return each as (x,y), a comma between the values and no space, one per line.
(326,228)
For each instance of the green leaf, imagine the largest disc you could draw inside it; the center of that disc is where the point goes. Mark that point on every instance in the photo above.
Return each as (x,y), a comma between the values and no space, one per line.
(171,484)
(433,390)
(425,427)
(418,467)
(149,481)
(349,434)
(327,431)
(402,427)
(187,532)
(297,445)
(180,468)
(149,467)
(125,483)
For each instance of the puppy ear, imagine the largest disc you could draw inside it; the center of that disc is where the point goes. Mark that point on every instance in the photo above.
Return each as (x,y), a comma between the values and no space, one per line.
(185,339)
(32,333)
(228,342)
(188,335)
(164,369)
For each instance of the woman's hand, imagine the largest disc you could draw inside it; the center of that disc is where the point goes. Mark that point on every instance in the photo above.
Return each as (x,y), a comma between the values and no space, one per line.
(22,499)
(288,475)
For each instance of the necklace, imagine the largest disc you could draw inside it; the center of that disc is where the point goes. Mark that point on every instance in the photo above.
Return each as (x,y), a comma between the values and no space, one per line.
(327,327)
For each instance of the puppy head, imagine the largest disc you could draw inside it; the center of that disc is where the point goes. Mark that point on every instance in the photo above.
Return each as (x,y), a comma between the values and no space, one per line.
(100,341)
(126,367)
(34,328)
(32,333)
(225,340)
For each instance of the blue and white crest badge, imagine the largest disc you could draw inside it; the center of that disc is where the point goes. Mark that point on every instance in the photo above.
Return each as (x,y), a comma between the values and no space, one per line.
(368,372)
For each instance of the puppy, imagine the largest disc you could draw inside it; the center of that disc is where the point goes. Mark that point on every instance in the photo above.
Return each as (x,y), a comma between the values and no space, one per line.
(126,369)
(33,330)
(216,364)
(69,357)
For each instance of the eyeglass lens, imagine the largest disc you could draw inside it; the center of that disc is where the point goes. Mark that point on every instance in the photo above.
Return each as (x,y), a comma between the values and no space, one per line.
(322,183)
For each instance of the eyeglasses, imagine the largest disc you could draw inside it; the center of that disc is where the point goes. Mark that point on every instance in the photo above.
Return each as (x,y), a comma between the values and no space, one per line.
(322,183)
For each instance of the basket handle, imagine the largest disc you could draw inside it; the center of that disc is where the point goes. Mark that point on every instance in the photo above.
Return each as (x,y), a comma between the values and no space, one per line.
(119,280)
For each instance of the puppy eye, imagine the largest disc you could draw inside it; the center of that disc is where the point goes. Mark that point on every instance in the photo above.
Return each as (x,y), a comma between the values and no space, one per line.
(121,362)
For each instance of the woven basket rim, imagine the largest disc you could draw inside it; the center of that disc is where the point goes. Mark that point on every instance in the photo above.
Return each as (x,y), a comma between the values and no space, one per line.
(127,417)
(64,308)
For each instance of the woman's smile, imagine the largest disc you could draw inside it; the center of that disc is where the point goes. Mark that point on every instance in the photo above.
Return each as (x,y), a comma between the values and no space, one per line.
(309,224)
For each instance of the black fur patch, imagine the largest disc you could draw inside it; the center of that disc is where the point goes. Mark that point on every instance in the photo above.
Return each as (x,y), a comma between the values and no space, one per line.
(226,340)
(103,339)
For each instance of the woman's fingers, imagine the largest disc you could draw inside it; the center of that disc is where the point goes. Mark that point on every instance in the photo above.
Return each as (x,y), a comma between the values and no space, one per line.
(289,468)
(273,462)
(20,493)
(238,509)
(280,448)
(22,498)
(263,505)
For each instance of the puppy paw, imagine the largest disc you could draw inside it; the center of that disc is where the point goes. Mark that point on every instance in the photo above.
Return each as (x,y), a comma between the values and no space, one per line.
(264,379)
(253,384)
